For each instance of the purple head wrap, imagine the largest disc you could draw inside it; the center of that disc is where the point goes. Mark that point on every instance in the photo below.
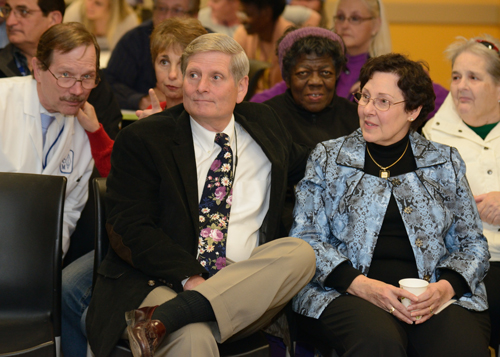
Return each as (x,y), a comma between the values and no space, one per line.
(296,35)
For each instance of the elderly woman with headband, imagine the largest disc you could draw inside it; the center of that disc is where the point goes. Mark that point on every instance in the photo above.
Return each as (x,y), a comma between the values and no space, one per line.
(383,204)
(311,60)
(468,120)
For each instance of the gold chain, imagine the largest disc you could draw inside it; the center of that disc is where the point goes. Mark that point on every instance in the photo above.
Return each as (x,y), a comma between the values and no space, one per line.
(384,173)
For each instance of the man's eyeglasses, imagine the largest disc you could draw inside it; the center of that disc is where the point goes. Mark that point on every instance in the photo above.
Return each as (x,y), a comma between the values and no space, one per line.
(88,82)
(354,20)
(174,11)
(489,45)
(379,103)
(19,12)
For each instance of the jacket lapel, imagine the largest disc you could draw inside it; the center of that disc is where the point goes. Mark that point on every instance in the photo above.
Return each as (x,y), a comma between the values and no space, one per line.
(183,153)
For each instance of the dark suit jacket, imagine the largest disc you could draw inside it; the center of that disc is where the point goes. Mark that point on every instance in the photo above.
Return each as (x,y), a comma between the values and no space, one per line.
(153,210)
(101,97)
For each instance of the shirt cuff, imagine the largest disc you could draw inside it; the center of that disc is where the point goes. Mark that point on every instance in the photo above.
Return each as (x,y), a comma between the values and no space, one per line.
(456,280)
(341,277)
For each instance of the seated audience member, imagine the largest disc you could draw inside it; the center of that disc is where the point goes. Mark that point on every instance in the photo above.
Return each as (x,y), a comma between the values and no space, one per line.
(168,41)
(311,60)
(130,69)
(40,132)
(383,204)
(24,31)
(261,29)
(222,16)
(4,39)
(108,20)
(210,251)
(468,120)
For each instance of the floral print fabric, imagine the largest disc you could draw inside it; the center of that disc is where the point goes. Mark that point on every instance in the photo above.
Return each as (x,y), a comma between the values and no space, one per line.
(340,210)
(215,206)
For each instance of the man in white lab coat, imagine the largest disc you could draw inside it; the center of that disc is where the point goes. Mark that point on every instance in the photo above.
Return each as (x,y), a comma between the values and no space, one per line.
(39,129)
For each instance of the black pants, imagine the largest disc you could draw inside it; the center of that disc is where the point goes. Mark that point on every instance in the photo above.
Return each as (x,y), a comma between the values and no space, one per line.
(492,282)
(352,326)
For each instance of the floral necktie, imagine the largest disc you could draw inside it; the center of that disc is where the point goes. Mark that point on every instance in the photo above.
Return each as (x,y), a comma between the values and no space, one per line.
(215,206)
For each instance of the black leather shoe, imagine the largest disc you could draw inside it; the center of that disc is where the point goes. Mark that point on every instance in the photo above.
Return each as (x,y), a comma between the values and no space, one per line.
(144,334)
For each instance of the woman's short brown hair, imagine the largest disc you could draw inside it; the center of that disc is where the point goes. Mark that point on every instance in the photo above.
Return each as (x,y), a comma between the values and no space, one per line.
(414,82)
(175,31)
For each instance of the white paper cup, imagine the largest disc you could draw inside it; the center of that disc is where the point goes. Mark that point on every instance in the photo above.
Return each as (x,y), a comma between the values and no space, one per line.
(414,286)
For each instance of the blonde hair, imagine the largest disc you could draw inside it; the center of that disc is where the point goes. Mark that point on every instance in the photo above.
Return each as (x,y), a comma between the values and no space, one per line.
(381,42)
(118,9)
(239,65)
(473,45)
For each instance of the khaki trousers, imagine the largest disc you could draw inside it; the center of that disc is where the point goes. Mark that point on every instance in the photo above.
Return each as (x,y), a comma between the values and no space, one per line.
(245,296)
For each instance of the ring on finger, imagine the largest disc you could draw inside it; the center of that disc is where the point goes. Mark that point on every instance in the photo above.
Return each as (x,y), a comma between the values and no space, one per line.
(391,310)
(430,309)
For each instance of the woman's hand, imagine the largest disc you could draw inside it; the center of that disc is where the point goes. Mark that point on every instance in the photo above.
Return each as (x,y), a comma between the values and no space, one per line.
(87,118)
(384,296)
(488,205)
(155,106)
(431,300)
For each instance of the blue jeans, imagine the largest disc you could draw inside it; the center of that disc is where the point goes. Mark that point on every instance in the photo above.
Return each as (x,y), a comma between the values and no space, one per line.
(76,293)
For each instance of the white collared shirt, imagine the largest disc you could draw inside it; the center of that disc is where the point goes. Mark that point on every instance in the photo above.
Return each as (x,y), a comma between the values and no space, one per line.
(251,187)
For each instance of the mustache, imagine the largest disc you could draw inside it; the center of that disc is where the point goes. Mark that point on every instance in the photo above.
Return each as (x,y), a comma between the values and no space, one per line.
(73,98)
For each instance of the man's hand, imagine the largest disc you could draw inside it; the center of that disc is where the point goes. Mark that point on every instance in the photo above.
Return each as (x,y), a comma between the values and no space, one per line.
(488,205)
(87,118)
(193,282)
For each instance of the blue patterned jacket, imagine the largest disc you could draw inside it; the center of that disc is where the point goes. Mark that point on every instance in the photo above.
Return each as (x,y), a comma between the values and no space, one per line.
(340,209)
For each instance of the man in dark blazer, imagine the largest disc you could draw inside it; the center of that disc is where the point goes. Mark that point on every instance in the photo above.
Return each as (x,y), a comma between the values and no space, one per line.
(159,166)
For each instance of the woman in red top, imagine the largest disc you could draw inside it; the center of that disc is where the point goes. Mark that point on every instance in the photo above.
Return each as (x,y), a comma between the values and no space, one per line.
(168,40)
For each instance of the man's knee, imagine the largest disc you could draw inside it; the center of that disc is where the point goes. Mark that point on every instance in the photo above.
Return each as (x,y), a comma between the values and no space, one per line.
(300,252)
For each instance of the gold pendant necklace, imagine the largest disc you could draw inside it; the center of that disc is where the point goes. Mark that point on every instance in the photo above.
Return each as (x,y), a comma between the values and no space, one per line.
(383,173)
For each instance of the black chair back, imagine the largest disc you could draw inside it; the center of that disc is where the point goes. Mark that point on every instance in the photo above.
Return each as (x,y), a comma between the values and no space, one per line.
(31,221)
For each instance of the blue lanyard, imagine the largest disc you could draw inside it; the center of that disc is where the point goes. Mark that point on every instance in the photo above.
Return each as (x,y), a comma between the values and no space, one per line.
(20,67)
(44,163)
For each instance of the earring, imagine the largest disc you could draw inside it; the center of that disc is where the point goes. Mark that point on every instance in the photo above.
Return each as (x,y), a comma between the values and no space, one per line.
(411,119)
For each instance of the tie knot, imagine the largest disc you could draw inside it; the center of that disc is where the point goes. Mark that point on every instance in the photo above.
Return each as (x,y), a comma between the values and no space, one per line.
(222,139)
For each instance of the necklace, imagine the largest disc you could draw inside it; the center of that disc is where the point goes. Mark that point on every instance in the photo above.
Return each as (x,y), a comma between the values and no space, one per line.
(383,172)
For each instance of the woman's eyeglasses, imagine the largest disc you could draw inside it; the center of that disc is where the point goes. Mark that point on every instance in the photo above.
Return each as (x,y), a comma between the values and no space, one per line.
(354,20)
(379,103)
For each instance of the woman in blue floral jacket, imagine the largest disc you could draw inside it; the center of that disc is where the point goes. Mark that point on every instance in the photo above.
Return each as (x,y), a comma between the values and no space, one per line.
(383,204)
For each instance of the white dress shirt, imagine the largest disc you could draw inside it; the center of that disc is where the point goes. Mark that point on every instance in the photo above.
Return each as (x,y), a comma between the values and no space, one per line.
(251,187)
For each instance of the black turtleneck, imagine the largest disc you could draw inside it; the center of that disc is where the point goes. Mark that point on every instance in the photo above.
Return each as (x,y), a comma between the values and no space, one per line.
(393,257)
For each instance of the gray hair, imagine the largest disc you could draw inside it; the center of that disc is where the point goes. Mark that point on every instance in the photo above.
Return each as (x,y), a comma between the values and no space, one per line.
(473,45)
(239,65)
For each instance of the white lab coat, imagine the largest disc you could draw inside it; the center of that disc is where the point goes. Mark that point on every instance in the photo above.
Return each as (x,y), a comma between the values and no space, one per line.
(22,150)
(481,157)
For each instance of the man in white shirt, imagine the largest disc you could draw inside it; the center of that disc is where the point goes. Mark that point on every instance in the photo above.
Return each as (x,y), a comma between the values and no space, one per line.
(39,131)
(163,221)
